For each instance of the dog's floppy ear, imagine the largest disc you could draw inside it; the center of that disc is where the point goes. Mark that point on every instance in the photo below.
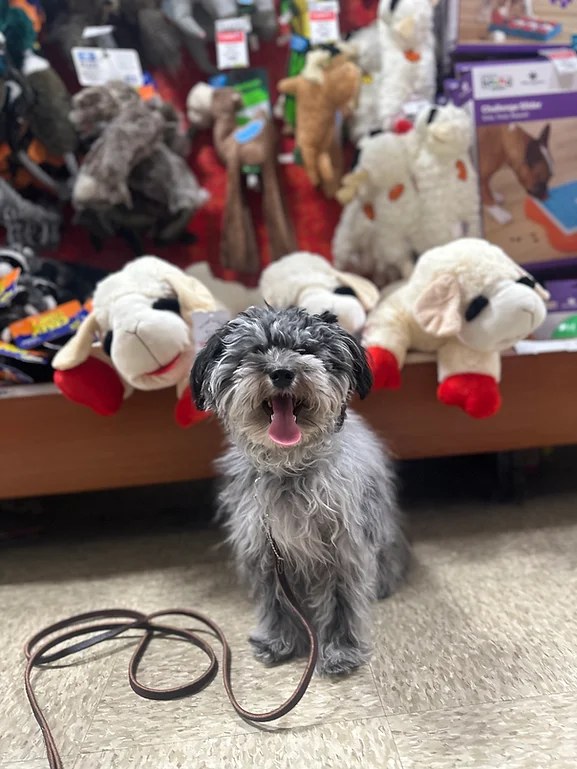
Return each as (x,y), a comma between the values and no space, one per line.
(362,376)
(437,309)
(203,365)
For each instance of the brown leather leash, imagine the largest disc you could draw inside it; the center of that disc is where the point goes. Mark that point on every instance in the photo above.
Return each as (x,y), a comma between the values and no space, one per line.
(106,624)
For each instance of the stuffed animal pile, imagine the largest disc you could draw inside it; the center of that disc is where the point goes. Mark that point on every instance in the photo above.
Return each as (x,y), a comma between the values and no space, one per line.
(408,193)
(134,176)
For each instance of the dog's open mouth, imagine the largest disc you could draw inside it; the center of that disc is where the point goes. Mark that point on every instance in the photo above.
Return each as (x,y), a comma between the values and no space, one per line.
(282,411)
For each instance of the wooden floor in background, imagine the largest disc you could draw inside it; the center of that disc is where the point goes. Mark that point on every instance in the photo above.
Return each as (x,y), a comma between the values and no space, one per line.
(474,20)
(523,239)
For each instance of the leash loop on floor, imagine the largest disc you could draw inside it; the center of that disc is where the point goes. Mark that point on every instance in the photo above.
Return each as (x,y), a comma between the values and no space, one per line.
(95,627)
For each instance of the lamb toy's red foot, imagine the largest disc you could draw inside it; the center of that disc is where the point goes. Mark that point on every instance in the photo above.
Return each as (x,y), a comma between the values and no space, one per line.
(477,394)
(185,413)
(385,369)
(93,383)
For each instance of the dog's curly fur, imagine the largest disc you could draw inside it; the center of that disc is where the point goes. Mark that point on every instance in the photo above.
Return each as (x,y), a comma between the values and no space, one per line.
(329,500)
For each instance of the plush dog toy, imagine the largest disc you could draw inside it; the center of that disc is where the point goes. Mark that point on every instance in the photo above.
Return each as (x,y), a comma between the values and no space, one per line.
(466,302)
(309,281)
(326,87)
(253,144)
(139,336)
(378,228)
(446,180)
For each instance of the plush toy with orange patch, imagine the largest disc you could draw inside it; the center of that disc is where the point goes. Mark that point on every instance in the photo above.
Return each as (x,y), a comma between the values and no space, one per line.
(466,302)
(140,335)
(379,224)
(446,179)
(408,70)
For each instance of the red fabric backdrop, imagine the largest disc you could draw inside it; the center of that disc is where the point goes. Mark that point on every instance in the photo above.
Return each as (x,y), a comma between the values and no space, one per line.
(314,218)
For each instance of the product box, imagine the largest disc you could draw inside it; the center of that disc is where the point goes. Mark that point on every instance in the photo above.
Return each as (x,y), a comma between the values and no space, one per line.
(525,135)
(476,25)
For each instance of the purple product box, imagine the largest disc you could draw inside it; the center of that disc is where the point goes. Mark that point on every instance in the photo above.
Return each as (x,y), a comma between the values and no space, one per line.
(525,132)
(561,320)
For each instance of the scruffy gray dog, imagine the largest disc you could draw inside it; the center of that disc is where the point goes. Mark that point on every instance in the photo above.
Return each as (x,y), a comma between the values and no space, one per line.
(280,381)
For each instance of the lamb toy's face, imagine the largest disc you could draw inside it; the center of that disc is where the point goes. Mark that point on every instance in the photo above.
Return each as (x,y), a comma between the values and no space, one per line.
(503,314)
(445,131)
(490,318)
(149,344)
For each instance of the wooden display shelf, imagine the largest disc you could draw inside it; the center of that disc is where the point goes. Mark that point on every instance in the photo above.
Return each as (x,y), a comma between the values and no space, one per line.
(51,446)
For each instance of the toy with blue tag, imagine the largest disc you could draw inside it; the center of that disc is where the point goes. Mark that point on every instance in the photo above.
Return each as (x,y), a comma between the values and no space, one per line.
(247,148)
(557,214)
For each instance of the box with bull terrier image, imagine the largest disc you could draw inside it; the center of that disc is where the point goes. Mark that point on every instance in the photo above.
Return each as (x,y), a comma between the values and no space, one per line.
(525,129)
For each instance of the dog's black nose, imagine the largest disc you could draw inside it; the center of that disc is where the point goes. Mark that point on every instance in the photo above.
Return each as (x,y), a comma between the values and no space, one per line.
(282,377)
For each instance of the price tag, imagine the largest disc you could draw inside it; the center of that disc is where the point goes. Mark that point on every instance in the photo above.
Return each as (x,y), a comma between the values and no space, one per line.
(563,59)
(324,22)
(98,66)
(231,42)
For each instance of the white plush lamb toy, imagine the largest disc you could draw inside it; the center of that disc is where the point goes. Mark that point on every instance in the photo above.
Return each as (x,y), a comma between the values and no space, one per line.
(446,180)
(466,302)
(379,223)
(138,336)
(364,47)
(309,281)
(408,71)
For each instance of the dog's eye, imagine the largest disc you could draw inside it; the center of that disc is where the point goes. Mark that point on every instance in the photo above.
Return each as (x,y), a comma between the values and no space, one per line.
(344,291)
(476,306)
(107,343)
(169,303)
(527,280)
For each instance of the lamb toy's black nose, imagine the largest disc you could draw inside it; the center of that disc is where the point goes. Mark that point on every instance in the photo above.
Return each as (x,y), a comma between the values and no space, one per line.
(282,377)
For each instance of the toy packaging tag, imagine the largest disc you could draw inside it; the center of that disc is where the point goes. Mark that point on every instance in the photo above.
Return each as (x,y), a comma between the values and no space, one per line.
(253,86)
(204,324)
(9,286)
(231,42)
(97,66)
(563,59)
(324,22)
(37,329)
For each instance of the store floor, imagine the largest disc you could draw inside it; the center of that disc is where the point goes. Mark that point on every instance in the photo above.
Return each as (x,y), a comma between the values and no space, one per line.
(475,662)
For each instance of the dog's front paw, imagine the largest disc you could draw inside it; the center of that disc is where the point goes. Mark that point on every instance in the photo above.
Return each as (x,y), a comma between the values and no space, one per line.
(340,660)
(271,651)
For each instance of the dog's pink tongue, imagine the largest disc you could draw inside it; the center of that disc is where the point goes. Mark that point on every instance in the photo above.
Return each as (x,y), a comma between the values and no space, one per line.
(283,427)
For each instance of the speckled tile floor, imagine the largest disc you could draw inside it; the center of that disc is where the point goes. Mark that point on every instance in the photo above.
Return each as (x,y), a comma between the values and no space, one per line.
(475,664)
